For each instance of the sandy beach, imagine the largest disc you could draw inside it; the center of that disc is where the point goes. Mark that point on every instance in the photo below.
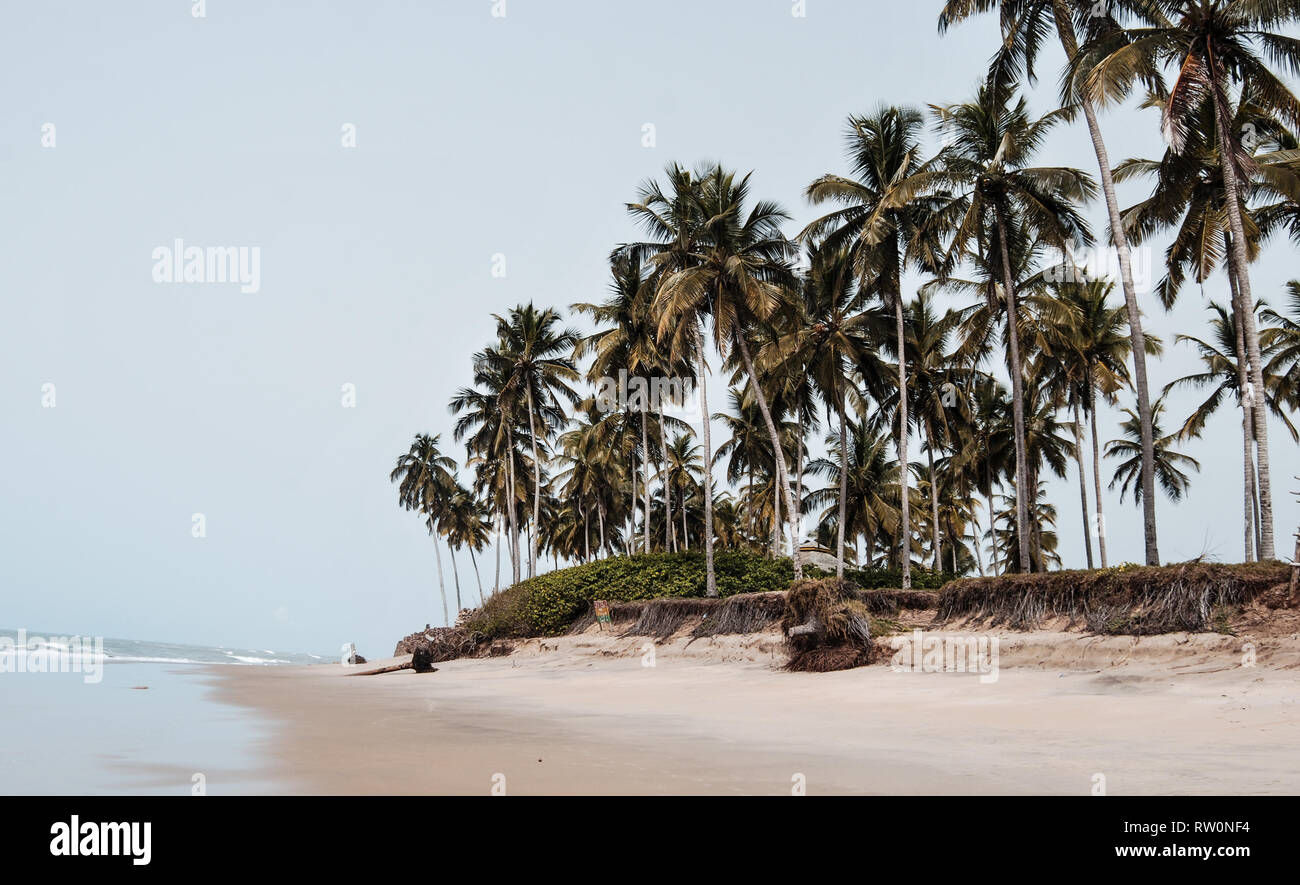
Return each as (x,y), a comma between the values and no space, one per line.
(1175,714)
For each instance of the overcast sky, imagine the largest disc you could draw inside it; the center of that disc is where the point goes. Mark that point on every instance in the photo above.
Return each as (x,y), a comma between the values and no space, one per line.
(474,136)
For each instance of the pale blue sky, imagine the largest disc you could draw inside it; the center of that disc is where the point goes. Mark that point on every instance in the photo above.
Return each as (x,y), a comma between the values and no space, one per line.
(475,136)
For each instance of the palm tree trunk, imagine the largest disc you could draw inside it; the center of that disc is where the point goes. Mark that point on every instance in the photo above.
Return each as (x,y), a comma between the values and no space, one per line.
(778,450)
(534,535)
(455,571)
(631,516)
(477,577)
(1096,474)
(710,579)
(1251,527)
(975,541)
(686,537)
(798,476)
(510,507)
(905,527)
(669,543)
(586,535)
(496,582)
(645,472)
(844,488)
(776,523)
(600,514)
(934,498)
(442,587)
(1137,338)
(1257,393)
(1083,485)
(1018,401)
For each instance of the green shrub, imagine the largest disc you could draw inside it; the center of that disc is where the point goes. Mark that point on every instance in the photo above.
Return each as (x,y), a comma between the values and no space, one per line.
(548,604)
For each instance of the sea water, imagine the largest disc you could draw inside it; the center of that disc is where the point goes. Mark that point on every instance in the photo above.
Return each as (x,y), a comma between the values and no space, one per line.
(150,725)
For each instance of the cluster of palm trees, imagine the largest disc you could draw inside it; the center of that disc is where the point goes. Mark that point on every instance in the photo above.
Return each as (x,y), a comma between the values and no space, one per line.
(815,331)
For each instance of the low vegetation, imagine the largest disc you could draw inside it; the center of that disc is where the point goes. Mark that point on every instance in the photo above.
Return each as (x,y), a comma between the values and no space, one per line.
(550,604)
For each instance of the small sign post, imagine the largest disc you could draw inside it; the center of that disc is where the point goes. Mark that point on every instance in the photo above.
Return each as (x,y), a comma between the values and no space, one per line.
(602,614)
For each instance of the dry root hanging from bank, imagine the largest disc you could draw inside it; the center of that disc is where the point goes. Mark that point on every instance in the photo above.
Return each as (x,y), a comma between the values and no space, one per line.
(827,626)
(1136,600)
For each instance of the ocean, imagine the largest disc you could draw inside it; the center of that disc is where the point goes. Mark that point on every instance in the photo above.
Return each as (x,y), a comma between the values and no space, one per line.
(140,718)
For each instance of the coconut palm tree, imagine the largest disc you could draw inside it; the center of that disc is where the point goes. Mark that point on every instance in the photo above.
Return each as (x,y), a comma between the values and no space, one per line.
(1215,45)
(1025,25)
(884,222)
(826,340)
(740,279)
(533,356)
(1282,340)
(999,195)
(1189,196)
(673,218)
(1168,462)
(425,479)
(871,509)
(1223,376)
(489,425)
(1085,357)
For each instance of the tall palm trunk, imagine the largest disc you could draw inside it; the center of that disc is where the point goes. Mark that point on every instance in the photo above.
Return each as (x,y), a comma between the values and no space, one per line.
(934,498)
(631,515)
(586,535)
(477,577)
(1247,416)
(496,582)
(1096,472)
(905,527)
(710,579)
(798,476)
(775,534)
(600,514)
(455,571)
(442,587)
(782,476)
(1232,194)
(510,507)
(844,490)
(645,471)
(1137,339)
(664,477)
(534,534)
(1018,400)
(1083,484)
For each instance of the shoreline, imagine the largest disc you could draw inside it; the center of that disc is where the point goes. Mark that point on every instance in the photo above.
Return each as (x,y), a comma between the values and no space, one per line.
(582,715)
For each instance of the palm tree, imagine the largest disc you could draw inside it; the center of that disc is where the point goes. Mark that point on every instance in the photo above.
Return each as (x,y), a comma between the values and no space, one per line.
(934,377)
(533,356)
(998,196)
(823,344)
(1223,375)
(1282,340)
(627,340)
(424,477)
(864,488)
(467,526)
(488,425)
(672,218)
(740,279)
(1190,196)
(1167,463)
(686,477)
(1214,45)
(883,223)
(1086,357)
(1025,25)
